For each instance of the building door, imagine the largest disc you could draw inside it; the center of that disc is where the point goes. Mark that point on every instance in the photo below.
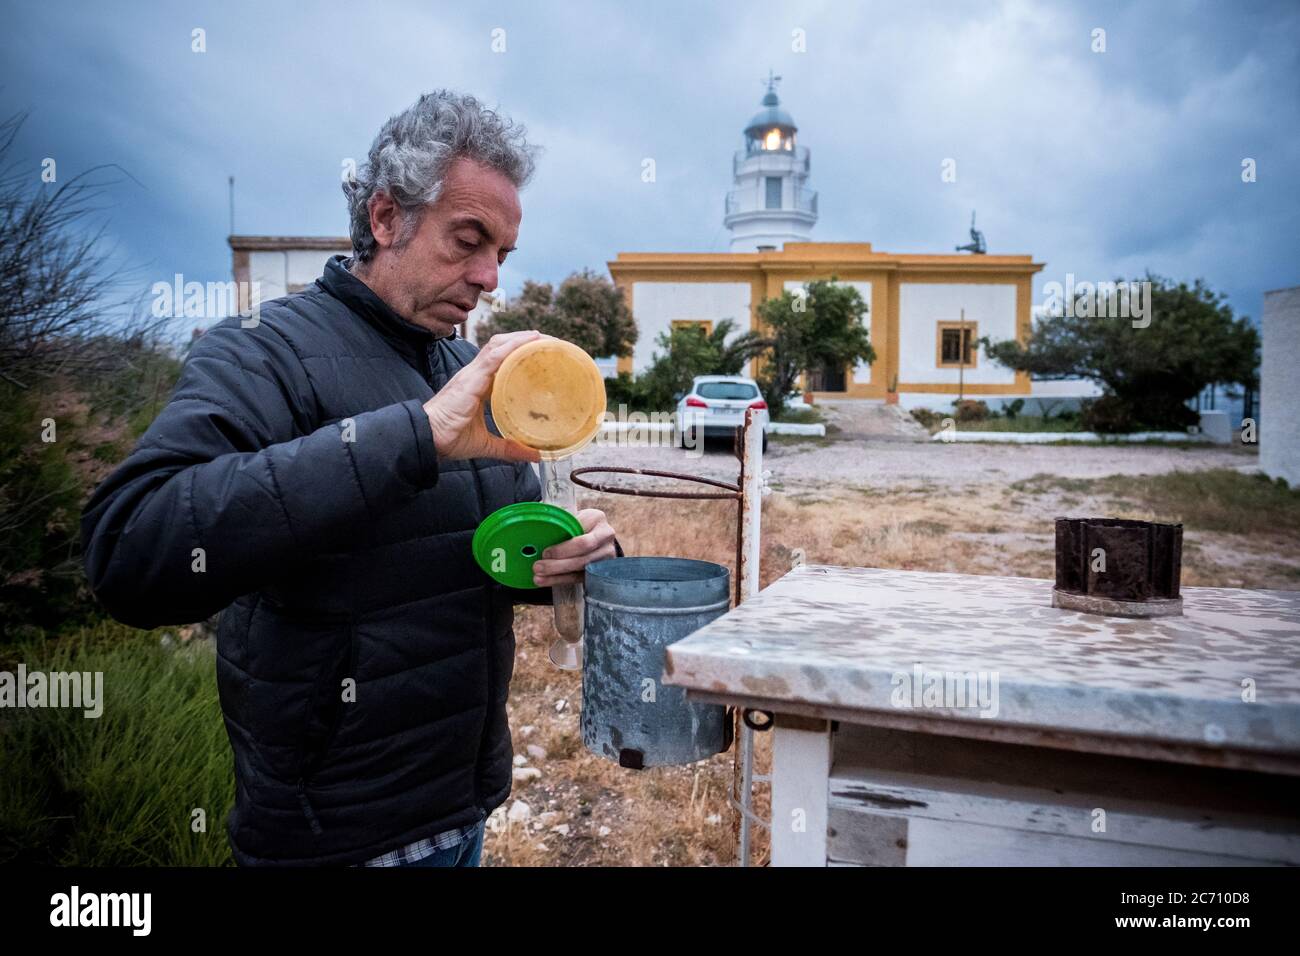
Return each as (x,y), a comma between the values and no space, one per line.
(826,378)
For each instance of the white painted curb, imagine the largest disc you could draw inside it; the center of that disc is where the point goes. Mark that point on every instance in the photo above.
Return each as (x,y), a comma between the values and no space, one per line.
(666,428)
(619,428)
(1046,438)
(795,428)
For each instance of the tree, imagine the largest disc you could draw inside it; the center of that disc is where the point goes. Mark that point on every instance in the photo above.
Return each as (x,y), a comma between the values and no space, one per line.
(77,380)
(1147,374)
(588,310)
(821,325)
(689,351)
(57,278)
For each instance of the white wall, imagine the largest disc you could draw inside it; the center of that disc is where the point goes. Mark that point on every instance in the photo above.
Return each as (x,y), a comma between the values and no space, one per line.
(922,305)
(1035,403)
(1064,388)
(861,371)
(276,270)
(655,305)
(1279,387)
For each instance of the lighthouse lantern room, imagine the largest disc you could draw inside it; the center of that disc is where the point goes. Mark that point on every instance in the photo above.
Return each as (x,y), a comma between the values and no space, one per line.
(770,202)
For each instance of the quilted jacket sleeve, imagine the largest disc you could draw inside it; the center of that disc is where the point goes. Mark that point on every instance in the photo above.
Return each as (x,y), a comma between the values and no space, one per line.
(232,483)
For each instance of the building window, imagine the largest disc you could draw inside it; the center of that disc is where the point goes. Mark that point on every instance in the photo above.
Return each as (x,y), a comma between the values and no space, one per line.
(773,192)
(957,344)
(704,325)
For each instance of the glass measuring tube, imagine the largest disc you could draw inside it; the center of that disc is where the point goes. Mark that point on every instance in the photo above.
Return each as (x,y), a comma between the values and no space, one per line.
(558,490)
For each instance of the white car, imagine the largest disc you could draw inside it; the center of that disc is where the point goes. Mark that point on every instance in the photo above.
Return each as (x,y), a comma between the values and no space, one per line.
(715,405)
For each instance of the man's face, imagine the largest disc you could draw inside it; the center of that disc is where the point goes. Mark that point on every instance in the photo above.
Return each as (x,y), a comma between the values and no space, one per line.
(435,277)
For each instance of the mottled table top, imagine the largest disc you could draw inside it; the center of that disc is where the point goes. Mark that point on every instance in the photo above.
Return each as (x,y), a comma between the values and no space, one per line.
(1226,674)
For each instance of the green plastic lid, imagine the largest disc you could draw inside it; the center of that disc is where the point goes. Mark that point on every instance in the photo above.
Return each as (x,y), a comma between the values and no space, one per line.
(511,539)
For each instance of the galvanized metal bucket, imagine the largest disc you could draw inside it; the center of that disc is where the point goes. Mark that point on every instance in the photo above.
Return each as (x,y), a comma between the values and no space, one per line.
(635,608)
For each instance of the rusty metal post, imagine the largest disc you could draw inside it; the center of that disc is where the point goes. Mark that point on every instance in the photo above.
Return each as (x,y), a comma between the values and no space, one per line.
(751,504)
(739,830)
(749,448)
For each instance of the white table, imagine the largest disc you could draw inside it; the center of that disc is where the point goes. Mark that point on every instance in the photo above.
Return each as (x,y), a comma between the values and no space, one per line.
(1079,739)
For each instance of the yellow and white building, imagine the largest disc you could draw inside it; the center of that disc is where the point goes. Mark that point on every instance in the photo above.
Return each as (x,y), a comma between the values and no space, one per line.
(925,312)
(916,308)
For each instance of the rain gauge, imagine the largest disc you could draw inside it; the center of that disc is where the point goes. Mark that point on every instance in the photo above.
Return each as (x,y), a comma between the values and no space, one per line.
(550,396)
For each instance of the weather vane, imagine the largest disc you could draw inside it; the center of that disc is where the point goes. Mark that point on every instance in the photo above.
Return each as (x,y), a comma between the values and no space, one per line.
(771,81)
(976,245)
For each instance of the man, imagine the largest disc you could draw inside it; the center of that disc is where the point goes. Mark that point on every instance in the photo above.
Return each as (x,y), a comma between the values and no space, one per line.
(319,477)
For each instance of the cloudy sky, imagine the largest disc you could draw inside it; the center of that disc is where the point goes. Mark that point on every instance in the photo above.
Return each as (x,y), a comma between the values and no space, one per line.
(1100,164)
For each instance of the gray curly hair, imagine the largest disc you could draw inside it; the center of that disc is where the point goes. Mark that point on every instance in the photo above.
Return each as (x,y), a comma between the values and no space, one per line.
(411,155)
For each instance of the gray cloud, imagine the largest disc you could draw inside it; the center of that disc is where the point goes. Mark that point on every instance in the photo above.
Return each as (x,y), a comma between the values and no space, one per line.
(1097,164)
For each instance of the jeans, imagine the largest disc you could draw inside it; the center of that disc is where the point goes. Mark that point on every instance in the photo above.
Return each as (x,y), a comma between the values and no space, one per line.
(465,853)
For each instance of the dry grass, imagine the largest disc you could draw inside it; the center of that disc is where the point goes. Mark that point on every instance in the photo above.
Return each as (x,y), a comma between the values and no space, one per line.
(661,817)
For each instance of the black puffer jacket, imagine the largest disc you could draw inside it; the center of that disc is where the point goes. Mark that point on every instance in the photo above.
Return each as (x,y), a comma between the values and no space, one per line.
(292,479)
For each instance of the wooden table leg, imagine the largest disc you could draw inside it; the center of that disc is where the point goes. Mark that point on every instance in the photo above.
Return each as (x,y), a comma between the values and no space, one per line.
(801,764)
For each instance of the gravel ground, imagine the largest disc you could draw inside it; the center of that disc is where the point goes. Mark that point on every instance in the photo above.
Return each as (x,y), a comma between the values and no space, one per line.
(872,463)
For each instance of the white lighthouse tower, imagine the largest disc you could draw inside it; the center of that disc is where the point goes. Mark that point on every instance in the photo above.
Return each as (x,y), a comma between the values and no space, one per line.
(770,203)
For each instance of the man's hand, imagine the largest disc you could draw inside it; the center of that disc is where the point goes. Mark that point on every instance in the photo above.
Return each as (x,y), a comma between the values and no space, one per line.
(456,412)
(563,563)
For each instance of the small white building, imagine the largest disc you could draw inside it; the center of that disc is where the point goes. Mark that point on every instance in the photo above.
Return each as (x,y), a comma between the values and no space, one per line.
(281,265)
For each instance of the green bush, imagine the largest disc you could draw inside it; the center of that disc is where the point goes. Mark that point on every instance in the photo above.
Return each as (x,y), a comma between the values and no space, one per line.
(926,416)
(623,390)
(970,410)
(40,504)
(587,310)
(1109,415)
(801,415)
(1012,409)
(120,789)
(43,484)
(687,351)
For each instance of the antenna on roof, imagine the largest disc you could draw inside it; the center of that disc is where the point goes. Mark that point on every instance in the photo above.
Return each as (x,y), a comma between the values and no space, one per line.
(232,205)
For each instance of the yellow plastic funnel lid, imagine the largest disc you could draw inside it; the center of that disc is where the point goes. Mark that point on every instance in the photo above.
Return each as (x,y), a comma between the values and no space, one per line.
(549,395)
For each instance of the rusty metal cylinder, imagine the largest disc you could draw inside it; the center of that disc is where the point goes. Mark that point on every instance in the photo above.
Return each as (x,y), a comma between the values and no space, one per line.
(1118,566)
(635,608)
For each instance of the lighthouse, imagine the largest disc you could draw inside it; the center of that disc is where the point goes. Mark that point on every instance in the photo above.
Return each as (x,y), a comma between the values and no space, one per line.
(770,202)
(926,312)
